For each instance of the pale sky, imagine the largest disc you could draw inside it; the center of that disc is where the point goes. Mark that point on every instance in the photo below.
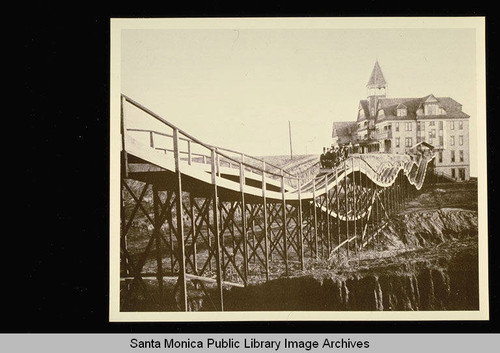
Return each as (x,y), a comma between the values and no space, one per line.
(238,88)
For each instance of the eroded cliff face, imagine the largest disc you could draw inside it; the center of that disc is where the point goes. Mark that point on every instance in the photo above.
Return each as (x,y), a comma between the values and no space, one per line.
(427,261)
(419,286)
(427,228)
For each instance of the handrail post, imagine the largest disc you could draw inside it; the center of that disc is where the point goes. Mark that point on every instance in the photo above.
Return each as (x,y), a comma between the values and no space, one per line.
(354,206)
(244,222)
(180,223)
(376,212)
(346,207)
(398,191)
(396,197)
(216,229)
(401,190)
(402,187)
(217,159)
(264,204)
(315,219)
(394,206)
(327,217)
(284,228)
(151,139)
(337,199)
(123,130)
(405,191)
(362,204)
(299,219)
(366,207)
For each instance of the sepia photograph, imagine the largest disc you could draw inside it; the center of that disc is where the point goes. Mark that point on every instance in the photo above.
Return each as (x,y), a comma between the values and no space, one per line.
(298,169)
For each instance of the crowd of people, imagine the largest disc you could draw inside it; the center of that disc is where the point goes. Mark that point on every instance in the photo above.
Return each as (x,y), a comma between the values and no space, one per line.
(331,157)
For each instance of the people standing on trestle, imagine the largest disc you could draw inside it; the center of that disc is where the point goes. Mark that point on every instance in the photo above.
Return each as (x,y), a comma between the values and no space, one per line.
(334,157)
(329,159)
(322,158)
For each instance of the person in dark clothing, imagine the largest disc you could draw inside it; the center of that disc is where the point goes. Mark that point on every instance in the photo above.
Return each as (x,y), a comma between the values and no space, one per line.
(322,158)
(329,159)
(334,158)
(340,154)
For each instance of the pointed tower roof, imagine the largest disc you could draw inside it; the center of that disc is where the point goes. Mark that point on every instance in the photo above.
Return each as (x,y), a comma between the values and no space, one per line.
(377,79)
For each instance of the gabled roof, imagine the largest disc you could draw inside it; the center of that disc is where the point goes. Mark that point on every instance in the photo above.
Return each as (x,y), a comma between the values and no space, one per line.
(390,106)
(343,128)
(377,79)
(430,98)
(365,106)
(451,106)
(423,143)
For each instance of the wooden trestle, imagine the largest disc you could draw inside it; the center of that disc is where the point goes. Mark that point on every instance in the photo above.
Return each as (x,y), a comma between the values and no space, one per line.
(198,222)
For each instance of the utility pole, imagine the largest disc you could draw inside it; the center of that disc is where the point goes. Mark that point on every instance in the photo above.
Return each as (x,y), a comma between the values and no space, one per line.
(290,137)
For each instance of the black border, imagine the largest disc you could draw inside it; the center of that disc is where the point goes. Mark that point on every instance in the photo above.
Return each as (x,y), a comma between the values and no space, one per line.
(55,256)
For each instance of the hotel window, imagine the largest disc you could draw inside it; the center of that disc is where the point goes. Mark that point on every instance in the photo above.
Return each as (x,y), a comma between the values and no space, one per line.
(401,112)
(397,141)
(431,123)
(440,140)
(422,125)
(432,133)
(461,140)
(453,173)
(397,126)
(440,125)
(452,125)
(452,156)
(408,142)
(460,125)
(430,109)
(461,155)
(452,140)
(461,173)
(440,157)
(408,126)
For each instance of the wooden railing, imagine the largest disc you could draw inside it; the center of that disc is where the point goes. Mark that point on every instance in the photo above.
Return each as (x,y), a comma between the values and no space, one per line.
(216,156)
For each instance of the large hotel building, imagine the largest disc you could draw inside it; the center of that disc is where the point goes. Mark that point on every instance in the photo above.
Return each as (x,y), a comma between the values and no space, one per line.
(394,125)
